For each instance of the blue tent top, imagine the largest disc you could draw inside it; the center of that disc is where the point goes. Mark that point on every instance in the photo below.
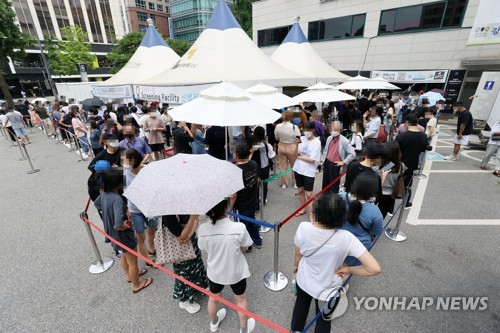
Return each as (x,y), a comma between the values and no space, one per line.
(295,35)
(222,18)
(152,38)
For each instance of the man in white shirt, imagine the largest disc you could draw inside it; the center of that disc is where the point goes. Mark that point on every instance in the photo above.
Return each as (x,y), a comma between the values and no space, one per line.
(372,126)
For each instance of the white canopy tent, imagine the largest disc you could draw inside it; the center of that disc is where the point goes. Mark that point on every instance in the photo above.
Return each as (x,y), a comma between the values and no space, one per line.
(152,57)
(224,52)
(297,54)
(361,82)
(270,96)
(322,92)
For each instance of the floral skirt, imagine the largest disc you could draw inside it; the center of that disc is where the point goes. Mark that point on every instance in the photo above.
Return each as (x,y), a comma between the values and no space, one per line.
(192,270)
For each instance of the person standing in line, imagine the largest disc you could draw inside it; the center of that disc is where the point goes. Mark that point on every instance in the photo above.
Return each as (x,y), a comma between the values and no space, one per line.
(262,153)
(287,134)
(306,165)
(117,225)
(95,136)
(321,247)
(16,121)
(431,127)
(372,126)
(338,153)
(412,143)
(245,200)
(225,242)
(215,141)
(464,129)
(167,119)
(198,144)
(7,126)
(182,138)
(155,126)
(357,138)
(132,141)
(386,201)
(80,130)
(492,148)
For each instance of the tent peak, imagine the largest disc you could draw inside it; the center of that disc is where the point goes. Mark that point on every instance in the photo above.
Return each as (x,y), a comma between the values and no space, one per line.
(152,37)
(222,18)
(150,22)
(295,35)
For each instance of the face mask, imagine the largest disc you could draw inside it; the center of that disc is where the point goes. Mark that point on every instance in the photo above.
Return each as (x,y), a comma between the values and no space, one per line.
(129,136)
(113,143)
(427,116)
(127,167)
(255,147)
(335,133)
(308,134)
(440,107)
(353,128)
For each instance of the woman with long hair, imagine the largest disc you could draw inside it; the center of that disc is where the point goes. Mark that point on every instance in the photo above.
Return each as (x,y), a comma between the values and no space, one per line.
(199,139)
(288,136)
(225,242)
(386,201)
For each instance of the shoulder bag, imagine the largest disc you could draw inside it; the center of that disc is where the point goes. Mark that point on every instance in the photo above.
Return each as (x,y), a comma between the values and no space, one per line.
(169,250)
(398,190)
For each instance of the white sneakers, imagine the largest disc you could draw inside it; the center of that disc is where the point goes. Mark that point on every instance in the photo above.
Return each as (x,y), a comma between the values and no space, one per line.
(451,158)
(250,325)
(190,307)
(221,314)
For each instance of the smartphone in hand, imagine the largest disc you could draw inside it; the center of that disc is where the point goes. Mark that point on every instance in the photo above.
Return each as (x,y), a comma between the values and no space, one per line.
(387,167)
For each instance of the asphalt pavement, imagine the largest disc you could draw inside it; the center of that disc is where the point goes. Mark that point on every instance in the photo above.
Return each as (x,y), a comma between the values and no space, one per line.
(46,286)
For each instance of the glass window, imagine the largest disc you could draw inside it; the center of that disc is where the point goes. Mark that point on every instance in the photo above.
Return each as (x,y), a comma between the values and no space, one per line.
(358,25)
(42,12)
(153,17)
(143,28)
(159,8)
(151,5)
(435,15)
(141,16)
(337,28)
(77,12)
(140,4)
(108,20)
(61,14)
(274,36)
(95,26)
(24,16)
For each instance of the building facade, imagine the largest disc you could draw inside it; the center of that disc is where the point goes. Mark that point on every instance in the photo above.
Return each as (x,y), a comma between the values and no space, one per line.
(189,17)
(395,39)
(138,11)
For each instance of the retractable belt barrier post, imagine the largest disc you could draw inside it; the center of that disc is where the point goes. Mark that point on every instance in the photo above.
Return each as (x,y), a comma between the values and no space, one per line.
(218,298)
(20,148)
(275,176)
(33,170)
(395,234)
(68,135)
(2,129)
(420,170)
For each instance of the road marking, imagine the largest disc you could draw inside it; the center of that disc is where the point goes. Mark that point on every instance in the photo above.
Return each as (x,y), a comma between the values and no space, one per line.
(461,171)
(452,222)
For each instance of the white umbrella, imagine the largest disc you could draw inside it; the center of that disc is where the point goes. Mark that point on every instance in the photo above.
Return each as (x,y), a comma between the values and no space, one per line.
(270,96)
(39,99)
(361,82)
(384,84)
(225,105)
(432,97)
(184,184)
(322,92)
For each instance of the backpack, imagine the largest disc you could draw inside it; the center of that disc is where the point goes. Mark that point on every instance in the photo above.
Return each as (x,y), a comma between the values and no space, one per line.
(382,135)
(271,163)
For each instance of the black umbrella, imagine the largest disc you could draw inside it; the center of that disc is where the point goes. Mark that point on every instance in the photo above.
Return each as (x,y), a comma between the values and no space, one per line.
(89,102)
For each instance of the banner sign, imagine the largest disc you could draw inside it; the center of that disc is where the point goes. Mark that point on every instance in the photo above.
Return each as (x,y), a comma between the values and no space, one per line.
(438,76)
(486,28)
(454,85)
(170,95)
(112,92)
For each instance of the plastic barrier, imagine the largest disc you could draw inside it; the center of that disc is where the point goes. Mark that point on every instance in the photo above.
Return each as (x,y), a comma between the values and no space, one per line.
(233,306)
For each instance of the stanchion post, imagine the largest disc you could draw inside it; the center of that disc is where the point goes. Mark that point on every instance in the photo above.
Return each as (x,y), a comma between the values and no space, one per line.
(100,265)
(420,174)
(33,170)
(262,229)
(395,234)
(20,149)
(79,149)
(275,280)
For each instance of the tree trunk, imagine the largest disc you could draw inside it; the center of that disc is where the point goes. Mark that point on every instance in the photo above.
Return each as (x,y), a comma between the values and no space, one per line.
(5,89)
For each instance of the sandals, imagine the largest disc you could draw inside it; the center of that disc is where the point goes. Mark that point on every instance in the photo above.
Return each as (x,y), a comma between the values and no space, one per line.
(152,253)
(496,173)
(141,273)
(300,214)
(146,284)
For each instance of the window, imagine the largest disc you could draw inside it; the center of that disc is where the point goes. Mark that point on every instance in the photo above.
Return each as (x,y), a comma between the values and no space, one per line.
(153,17)
(274,36)
(141,16)
(140,4)
(159,8)
(437,15)
(151,5)
(337,28)
(143,28)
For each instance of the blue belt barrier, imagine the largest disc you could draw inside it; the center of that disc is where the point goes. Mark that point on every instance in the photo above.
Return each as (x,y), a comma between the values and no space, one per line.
(245,218)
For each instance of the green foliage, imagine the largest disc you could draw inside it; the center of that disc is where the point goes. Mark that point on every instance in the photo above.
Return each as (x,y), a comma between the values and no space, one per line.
(242,10)
(179,46)
(12,40)
(124,50)
(64,55)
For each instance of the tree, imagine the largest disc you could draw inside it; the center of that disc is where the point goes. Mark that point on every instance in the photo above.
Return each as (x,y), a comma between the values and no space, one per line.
(12,43)
(242,10)
(124,50)
(179,46)
(64,55)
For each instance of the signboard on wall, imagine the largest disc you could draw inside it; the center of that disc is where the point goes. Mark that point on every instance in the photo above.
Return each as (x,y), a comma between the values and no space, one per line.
(170,95)
(438,76)
(486,28)
(454,84)
(112,92)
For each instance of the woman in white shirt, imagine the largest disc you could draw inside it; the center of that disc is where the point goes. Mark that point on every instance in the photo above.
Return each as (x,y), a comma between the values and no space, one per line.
(225,241)
(430,128)
(320,249)
(357,138)
(306,165)
(287,134)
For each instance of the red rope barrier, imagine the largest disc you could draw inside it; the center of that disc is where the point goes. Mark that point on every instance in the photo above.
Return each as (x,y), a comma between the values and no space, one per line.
(312,199)
(266,322)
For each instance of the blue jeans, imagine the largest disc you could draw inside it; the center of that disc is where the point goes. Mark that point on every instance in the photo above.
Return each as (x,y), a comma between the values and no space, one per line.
(85,146)
(252,228)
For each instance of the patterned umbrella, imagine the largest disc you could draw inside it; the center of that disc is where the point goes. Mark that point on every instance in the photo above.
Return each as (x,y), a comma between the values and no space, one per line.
(183,184)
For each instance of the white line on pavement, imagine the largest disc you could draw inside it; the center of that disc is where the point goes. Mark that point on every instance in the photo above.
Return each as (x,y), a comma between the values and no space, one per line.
(460,171)
(453,222)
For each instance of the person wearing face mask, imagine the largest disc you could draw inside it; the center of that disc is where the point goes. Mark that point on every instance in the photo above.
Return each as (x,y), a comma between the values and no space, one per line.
(357,138)
(338,153)
(132,141)
(143,226)
(286,134)
(371,122)
(262,153)
(464,129)
(430,129)
(439,107)
(304,168)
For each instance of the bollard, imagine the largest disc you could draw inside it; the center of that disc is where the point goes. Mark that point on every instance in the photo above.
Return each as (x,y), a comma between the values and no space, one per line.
(275,280)
(420,174)
(33,170)
(100,265)
(395,234)
(262,229)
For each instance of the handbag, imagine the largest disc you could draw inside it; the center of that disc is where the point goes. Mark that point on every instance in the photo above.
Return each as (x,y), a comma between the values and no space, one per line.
(398,190)
(382,135)
(169,250)
(327,240)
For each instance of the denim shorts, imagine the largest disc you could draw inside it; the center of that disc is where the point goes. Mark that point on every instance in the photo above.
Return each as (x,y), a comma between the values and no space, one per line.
(140,222)
(21,132)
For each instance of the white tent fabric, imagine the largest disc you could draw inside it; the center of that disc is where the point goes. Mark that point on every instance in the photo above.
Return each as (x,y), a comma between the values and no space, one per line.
(152,57)
(297,54)
(270,96)
(224,52)
(322,93)
(361,82)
